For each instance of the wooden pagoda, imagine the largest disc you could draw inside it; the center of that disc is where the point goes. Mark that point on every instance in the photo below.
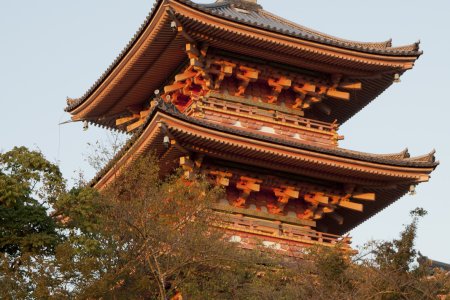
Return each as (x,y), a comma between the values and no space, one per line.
(254,102)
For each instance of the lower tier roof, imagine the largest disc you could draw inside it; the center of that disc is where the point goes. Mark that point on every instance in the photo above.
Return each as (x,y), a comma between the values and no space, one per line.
(389,176)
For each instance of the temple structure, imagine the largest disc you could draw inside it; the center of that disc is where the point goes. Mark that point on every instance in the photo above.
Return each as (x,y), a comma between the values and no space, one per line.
(254,102)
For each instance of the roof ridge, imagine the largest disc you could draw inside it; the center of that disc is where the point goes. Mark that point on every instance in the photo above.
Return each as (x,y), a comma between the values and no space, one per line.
(379,45)
(305,32)
(243,4)
(410,47)
(430,157)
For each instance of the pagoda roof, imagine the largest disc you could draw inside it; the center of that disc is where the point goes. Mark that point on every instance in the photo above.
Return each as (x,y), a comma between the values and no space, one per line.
(332,164)
(250,13)
(242,27)
(402,158)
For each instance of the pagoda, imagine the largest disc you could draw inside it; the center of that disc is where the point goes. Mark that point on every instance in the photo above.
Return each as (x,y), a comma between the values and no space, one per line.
(254,102)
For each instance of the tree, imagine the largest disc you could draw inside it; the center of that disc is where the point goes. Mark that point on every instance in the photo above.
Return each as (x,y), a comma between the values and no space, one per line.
(29,184)
(142,237)
(147,237)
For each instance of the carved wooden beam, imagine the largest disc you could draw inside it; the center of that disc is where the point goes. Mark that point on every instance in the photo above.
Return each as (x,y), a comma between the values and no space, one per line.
(245,75)
(174,87)
(283,194)
(307,94)
(221,178)
(316,198)
(277,86)
(144,113)
(135,125)
(225,69)
(137,118)
(187,74)
(333,93)
(188,166)
(246,185)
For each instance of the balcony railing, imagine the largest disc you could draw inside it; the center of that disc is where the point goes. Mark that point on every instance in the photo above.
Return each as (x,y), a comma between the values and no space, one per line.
(282,231)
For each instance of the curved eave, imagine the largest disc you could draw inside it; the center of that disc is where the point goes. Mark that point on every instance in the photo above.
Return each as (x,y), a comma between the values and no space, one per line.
(155,52)
(143,66)
(243,147)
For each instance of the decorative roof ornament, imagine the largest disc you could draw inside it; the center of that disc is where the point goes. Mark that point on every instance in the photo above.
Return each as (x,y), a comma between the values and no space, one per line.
(250,5)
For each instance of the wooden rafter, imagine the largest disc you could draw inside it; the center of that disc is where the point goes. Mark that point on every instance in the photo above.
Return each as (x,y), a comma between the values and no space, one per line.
(124,120)
(351,205)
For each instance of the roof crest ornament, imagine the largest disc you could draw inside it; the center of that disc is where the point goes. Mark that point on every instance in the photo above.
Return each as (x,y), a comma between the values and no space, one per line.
(250,5)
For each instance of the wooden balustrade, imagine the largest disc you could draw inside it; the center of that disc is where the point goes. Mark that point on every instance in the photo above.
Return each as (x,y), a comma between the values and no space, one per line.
(280,230)
(266,112)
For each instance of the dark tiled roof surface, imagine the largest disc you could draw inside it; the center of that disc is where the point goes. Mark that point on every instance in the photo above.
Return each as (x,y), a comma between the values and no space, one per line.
(390,159)
(250,14)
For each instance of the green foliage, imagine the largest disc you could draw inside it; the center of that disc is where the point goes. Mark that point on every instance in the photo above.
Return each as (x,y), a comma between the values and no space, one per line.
(399,254)
(142,237)
(28,185)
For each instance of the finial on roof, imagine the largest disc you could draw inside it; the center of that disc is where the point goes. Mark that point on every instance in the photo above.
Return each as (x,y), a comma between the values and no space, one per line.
(389,43)
(405,153)
(70,101)
(243,4)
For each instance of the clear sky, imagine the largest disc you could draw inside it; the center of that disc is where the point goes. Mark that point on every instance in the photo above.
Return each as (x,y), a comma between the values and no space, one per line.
(51,49)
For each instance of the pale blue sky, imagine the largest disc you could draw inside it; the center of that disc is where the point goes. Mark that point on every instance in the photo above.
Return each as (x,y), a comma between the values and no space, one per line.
(51,49)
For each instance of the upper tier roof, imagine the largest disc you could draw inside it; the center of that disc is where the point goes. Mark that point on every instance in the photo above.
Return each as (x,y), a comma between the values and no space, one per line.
(251,13)
(244,29)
